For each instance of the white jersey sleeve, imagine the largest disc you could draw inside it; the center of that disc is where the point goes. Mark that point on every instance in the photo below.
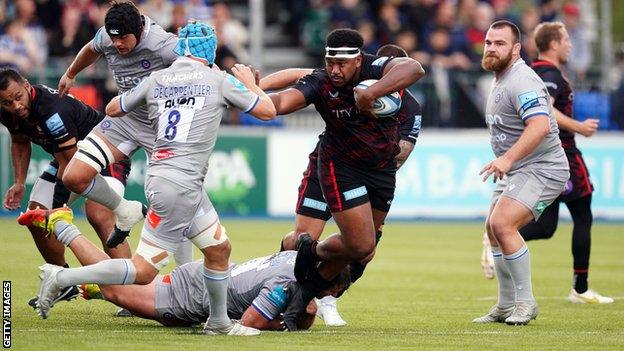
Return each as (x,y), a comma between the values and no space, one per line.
(529,97)
(236,94)
(135,97)
(166,51)
(273,297)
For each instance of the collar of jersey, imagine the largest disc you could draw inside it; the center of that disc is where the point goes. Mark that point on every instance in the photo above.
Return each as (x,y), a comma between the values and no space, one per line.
(186,60)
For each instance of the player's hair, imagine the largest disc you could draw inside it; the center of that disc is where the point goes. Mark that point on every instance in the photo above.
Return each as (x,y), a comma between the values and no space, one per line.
(344,37)
(391,50)
(123,18)
(546,32)
(514,29)
(8,75)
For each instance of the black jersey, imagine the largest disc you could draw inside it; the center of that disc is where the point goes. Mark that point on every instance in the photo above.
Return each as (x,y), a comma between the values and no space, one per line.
(350,136)
(53,120)
(559,88)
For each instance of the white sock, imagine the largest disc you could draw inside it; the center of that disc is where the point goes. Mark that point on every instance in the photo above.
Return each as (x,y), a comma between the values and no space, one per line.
(107,272)
(101,192)
(519,265)
(506,290)
(216,284)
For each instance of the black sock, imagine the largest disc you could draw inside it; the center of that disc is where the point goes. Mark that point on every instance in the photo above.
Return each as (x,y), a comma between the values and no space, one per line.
(580,282)
(356,271)
(316,282)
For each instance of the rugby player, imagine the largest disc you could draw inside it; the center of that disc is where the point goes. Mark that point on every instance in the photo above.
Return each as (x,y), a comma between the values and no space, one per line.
(134,47)
(530,169)
(37,114)
(257,290)
(356,156)
(311,211)
(185,103)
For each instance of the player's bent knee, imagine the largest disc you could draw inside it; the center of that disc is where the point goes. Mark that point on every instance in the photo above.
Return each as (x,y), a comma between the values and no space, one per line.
(152,259)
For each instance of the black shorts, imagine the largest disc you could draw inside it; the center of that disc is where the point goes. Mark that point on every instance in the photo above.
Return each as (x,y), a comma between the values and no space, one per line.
(345,186)
(310,201)
(578,185)
(60,195)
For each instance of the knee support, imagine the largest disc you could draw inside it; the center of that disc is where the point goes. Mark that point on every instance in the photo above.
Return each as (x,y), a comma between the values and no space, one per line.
(211,236)
(156,256)
(93,151)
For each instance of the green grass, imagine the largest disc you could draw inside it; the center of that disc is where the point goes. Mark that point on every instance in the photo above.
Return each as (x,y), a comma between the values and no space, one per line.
(421,291)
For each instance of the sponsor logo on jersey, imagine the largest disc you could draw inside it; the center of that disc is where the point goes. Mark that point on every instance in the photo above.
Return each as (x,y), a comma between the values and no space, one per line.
(162,154)
(278,296)
(528,99)
(179,77)
(333,94)
(55,126)
(127,80)
(237,83)
(146,64)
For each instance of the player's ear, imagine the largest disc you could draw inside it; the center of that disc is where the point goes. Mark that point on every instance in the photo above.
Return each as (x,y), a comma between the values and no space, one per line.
(358,61)
(515,50)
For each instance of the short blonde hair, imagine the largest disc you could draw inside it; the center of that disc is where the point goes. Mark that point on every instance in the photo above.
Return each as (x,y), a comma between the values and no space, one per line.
(546,32)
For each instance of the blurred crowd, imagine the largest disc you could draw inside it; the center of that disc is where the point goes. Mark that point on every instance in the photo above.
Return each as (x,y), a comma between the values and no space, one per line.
(445,35)
(33,31)
(448,33)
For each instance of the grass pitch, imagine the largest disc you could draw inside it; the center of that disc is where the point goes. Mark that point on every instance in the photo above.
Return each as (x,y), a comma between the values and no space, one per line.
(421,292)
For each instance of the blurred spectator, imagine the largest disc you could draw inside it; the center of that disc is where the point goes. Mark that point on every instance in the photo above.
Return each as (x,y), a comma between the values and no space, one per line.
(391,22)
(549,10)
(502,10)
(27,17)
(407,40)
(76,29)
(230,30)
(528,21)
(178,18)
(316,25)
(160,11)
(445,18)
(420,14)
(368,32)
(348,13)
(18,50)
(443,54)
(581,55)
(48,12)
(482,17)
(198,10)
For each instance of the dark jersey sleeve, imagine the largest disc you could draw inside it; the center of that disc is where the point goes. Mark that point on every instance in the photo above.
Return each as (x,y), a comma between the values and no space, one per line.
(410,118)
(310,85)
(553,80)
(60,124)
(373,66)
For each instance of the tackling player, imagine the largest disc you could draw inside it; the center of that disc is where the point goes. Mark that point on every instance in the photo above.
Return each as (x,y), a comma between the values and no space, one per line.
(37,114)
(311,211)
(356,156)
(257,291)
(185,104)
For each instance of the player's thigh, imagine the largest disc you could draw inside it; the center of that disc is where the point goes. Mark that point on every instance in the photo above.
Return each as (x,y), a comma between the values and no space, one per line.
(509,212)
(343,186)
(126,134)
(312,211)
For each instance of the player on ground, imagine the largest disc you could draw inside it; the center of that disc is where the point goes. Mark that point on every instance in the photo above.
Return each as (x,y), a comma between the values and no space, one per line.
(257,291)
(356,156)
(530,169)
(133,47)
(185,104)
(36,113)
(553,44)
(311,211)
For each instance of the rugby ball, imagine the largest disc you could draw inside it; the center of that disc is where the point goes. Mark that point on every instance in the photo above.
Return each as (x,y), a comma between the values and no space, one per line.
(385,106)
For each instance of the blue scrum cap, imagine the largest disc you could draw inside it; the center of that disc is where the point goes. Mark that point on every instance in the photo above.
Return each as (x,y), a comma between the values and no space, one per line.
(199,40)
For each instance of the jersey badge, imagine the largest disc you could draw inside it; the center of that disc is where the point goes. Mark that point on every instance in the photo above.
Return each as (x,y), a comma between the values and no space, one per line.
(528,100)
(497,98)
(146,64)
(55,125)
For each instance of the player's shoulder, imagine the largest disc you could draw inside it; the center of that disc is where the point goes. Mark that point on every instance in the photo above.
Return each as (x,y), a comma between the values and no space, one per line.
(155,35)
(374,60)
(522,75)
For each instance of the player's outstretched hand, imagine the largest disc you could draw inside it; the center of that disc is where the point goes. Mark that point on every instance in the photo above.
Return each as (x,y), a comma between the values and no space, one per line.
(65,84)
(244,74)
(589,127)
(499,167)
(13,197)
